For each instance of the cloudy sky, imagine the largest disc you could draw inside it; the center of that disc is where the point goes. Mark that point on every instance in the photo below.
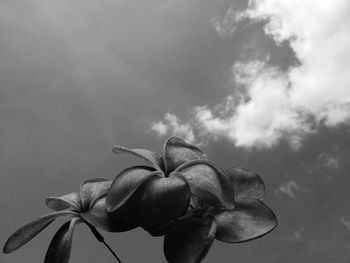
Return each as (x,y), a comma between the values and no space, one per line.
(263,85)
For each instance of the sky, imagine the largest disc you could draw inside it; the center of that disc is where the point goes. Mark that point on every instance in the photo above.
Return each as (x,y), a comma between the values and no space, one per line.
(257,84)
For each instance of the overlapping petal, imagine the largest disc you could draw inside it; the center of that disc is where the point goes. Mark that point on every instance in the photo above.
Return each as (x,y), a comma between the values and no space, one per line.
(30,230)
(246,183)
(61,244)
(159,200)
(190,240)
(184,196)
(91,190)
(152,158)
(176,152)
(117,221)
(249,219)
(126,183)
(208,182)
(60,203)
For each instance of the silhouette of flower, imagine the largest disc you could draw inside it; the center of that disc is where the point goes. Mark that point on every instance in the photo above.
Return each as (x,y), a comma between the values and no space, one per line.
(181,195)
(191,200)
(160,192)
(87,206)
(190,237)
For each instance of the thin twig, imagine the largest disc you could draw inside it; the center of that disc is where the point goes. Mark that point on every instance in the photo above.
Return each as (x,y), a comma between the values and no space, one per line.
(114,254)
(100,238)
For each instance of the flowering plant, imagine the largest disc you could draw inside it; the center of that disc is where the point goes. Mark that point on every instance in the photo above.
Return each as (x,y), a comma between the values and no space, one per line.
(87,206)
(181,195)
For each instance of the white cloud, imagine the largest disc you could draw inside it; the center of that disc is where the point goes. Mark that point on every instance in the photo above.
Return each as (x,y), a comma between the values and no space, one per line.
(319,35)
(268,104)
(172,126)
(160,128)
(291,188)
(263,115)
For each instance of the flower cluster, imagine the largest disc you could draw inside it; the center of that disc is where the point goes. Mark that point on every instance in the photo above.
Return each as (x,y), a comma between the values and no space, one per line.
(181,195)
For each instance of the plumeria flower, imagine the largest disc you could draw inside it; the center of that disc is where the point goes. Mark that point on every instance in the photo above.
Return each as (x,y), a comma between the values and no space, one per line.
(158,193)
(191,200)
(87,206)
(181,195)
(189,240)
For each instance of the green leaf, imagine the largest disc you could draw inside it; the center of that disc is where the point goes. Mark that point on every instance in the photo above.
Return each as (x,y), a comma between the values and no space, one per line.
(61,244)
(30,230)
(249,219)
(152,158)
(208,182)
(60,203)
(92,189)
(246,183)
(126,183)
(190,240)
(176,152)
(117,221)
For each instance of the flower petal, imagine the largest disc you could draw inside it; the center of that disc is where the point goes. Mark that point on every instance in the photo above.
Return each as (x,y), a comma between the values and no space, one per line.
(159,200)
(117,221)
(208,182)
(190,240)
(30,230)
(92,189)
(152,158)
(246,183)
(249,219)
(71,200)
(126,183)
(61,244)
(162,229)
(176,152)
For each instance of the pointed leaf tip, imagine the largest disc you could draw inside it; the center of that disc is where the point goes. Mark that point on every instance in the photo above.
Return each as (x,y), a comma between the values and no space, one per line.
(60,246)
(30,230)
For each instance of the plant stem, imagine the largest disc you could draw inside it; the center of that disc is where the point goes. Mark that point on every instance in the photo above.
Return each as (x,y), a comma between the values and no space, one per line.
(113,253)
(100,238)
